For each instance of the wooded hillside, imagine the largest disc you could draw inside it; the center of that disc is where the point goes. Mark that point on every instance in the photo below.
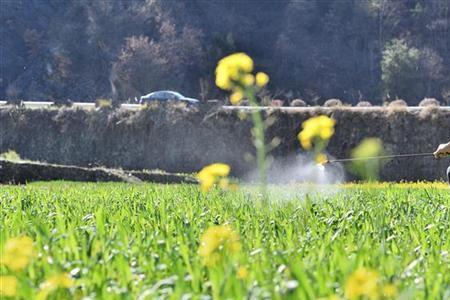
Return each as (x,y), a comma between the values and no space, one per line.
(313,49)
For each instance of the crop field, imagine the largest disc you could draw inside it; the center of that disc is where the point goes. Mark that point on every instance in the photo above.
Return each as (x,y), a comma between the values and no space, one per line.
(63,240)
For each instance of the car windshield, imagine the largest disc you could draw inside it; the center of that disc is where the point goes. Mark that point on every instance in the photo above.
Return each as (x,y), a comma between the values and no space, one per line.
(157,95)
(164,95)
(174,95)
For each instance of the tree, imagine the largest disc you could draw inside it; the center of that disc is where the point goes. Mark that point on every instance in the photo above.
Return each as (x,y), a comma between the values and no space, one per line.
(145,64)
(400,70)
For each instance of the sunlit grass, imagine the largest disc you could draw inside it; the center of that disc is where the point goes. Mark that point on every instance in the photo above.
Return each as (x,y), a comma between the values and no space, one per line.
(124,241)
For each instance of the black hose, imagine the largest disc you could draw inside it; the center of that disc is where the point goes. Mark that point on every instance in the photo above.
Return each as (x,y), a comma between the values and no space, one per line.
(379,157)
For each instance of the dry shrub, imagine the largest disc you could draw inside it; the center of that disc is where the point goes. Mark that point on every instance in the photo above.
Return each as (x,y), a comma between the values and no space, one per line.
(429,102)
(398,103)
(10,155)
(276,103)
(298,103)
(364,104)
(429,112)
(396,107)
(332,103)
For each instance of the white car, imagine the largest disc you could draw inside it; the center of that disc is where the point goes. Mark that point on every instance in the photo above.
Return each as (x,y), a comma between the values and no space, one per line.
(163,96)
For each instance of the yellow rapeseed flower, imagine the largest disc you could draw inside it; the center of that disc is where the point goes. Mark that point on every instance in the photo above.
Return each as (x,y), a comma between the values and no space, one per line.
(236,97)
(223,81)
(262,79)
(217,242)
(53,283)
(232,70)
(363,282)
(305,140)
(248,80)
(242,273)
(17,253)
(234,73)
(212,174)
(8,286)
(321,127)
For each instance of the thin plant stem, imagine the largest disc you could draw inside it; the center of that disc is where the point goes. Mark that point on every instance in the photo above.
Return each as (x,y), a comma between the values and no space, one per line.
(260,143)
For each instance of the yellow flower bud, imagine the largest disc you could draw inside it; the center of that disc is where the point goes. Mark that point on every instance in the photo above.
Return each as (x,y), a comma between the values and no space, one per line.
(236,97)
(242,273)
(262,79)
(248,80)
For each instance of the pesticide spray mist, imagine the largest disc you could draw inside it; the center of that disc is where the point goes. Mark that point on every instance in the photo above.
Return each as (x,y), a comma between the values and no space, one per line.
(296,176)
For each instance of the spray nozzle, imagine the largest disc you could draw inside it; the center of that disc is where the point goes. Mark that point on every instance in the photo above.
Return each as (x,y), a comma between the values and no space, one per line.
(325,162)
(322,159)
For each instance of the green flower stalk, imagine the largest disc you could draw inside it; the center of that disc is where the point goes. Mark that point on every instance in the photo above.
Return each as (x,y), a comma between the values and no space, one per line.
(234,74)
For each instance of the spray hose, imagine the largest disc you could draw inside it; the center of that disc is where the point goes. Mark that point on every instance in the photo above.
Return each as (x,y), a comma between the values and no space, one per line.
(377,157)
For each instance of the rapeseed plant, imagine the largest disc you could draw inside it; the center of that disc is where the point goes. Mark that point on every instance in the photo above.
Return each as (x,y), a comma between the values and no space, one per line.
(234,74)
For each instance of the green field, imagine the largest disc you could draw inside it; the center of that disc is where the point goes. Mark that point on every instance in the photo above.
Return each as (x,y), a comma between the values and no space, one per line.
(123,241)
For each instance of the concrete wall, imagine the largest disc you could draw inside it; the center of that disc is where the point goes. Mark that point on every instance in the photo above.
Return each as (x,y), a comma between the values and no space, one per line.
(180,140)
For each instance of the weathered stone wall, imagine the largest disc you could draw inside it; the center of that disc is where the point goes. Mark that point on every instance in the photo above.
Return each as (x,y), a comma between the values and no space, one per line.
(179,140)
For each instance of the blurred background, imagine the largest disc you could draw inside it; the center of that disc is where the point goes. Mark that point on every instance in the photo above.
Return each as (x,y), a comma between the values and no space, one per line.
(354,50)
